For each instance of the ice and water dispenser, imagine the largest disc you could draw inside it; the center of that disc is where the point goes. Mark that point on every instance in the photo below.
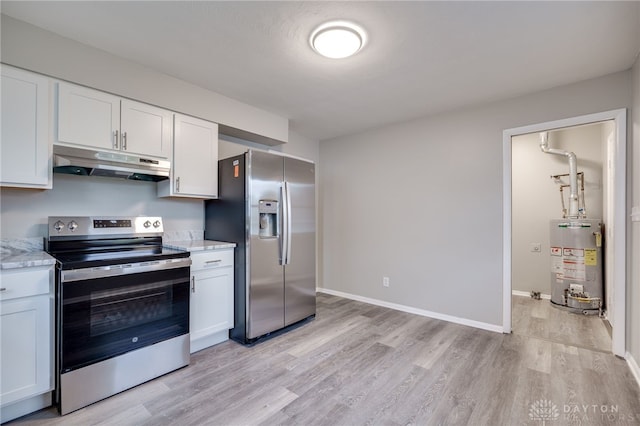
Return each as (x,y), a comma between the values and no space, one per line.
(268,211)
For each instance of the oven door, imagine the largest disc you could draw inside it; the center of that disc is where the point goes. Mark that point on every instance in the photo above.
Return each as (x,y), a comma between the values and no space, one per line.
(105,312)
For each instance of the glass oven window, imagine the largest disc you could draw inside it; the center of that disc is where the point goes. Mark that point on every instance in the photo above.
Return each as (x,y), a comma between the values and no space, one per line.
(125,308)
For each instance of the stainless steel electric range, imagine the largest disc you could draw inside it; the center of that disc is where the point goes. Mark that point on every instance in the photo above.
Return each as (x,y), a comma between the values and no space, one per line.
(122,306)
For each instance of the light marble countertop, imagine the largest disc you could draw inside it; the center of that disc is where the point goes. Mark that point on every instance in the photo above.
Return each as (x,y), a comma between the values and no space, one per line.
(199,245)
(25,259)
(23,253)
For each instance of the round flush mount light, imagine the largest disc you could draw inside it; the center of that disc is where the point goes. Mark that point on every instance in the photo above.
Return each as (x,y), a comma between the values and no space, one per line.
(338,39)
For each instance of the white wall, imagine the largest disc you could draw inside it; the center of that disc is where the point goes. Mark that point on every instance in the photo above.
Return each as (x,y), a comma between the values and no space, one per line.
(608,138)
(24,212)
(633,293)
(421,202)
(536,200)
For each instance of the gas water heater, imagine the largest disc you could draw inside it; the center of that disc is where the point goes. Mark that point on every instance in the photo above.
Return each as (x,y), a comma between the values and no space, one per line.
(575,247)
(576,264)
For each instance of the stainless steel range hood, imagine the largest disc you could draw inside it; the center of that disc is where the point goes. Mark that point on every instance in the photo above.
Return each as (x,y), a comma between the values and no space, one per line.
(90,162)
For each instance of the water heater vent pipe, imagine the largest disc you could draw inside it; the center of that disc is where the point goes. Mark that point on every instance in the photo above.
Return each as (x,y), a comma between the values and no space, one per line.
(573,172)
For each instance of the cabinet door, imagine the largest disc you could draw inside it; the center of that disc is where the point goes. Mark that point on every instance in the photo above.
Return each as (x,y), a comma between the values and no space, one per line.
(88,117)
(195,159)
(25,362)
(145,129)
(211,307)
(26,142)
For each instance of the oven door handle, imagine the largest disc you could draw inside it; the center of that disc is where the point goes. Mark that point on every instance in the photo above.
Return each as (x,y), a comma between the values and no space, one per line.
(126,269)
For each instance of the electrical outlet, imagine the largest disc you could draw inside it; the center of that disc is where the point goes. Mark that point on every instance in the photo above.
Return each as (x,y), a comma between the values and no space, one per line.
(536,247)
(385,281)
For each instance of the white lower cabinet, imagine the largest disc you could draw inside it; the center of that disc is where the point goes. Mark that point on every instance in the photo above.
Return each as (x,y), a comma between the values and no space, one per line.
(26,330)
(211,309)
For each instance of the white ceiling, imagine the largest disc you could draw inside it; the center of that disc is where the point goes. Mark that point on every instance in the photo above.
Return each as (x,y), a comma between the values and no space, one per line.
(421,58)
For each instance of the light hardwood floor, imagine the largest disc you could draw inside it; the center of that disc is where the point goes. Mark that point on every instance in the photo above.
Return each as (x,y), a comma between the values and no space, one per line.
(358,364)
(538,319)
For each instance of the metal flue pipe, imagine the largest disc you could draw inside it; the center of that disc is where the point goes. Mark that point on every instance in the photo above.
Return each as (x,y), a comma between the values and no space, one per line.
(573,172)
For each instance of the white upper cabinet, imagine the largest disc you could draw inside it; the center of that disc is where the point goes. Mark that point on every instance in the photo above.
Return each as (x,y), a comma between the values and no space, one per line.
(194,171)
(145,129)
(93,118)
(25,146)
(88,117)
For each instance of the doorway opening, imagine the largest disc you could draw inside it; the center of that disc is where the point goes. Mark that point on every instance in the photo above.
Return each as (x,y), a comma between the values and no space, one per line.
(531,200)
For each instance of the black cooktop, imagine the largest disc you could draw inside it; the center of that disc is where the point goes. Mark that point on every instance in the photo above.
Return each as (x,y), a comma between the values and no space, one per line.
(92,259)
(92,253)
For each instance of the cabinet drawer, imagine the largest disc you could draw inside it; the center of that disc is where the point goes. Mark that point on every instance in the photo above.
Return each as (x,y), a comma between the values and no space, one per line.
(209,259)
(25,282)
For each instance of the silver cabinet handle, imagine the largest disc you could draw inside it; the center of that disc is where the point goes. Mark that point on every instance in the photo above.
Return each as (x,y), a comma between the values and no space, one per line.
(178,184)
(124,140)
(213,261)
(3,289)
(193,284)
(115,139)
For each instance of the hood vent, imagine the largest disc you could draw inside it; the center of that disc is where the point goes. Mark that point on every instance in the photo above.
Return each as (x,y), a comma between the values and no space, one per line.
(90,162)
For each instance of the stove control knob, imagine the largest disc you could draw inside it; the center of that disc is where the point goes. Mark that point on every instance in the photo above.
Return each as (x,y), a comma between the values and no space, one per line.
(58,226)
(146,224)
(156,224)
(72,225)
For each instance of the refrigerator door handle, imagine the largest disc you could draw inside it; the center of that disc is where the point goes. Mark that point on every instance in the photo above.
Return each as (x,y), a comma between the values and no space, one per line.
(284,237)
(288,223)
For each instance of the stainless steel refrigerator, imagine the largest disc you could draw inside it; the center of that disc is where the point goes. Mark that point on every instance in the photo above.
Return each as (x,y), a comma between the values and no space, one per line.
(266,205)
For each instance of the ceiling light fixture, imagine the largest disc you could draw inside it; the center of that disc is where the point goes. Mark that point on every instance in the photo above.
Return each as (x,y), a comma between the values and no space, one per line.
(338,39)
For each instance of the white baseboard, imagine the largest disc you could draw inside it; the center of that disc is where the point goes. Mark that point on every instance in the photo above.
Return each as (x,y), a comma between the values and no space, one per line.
(633,365)
(209,340)
(525,294)
(416,311)
(24,407)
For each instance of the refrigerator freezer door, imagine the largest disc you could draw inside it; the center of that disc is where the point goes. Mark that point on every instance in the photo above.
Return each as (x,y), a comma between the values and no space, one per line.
(300,270)
(265,290)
